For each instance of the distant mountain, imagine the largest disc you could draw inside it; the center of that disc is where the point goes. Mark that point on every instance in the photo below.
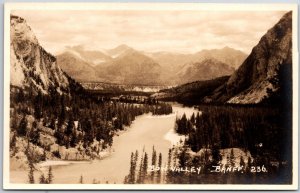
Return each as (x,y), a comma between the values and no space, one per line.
(118,51)
(121,65)
(227,55)
(89,56)
(108,65)
(182,68)
(262,73)
(130,67)
(170,60)
(31,66)
(77,67)
(205,70)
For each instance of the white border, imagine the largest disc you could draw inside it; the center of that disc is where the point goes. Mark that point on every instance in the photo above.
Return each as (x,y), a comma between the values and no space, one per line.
(146,6)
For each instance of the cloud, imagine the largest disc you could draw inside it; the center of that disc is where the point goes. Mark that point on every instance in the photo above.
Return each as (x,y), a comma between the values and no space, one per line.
(177,31)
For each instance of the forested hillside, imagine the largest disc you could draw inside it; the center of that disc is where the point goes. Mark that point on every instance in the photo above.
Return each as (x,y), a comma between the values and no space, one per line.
(191,93)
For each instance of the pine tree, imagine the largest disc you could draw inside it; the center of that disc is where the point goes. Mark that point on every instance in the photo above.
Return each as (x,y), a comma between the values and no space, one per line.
(159,165)
(198,120)
(181,124)
(145,167)
(249,163)
(81,180)
(169,172)
(136,156)
(33,135)
(13,141)
(153,163)
(193,118)
(50,175)
(242,162)
(20,97)
(43,179)
(22,129)
(231,158)
(52,124)
(70,127)
(189,127)
(38,106)
(183,157)
(131,177)
(31,173)
(169,159)
(216,156)
(74,139)
(14,120)
(140,174)
(62,115)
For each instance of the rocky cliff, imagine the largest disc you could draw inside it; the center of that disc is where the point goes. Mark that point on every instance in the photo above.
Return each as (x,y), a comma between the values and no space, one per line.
(254,80)
(32,66)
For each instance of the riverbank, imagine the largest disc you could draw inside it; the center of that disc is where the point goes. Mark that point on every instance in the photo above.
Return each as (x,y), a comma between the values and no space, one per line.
(144,133)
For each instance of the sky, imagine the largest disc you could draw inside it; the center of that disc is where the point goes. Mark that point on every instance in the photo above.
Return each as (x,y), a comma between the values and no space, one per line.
(150,31)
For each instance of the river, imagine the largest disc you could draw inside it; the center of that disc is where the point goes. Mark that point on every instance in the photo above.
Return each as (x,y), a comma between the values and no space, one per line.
(145,132)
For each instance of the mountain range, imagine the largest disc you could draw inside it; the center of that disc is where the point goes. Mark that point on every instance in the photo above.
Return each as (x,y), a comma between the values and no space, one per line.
(265,73)
(125,65)
(262,74)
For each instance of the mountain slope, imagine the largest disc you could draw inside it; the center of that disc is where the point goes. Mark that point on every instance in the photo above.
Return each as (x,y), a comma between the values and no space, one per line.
(170,61)
(77,68)
(227,55)
(118,51)
(131,67)
(254,80)
(31,65)
(89,56)
(204,70)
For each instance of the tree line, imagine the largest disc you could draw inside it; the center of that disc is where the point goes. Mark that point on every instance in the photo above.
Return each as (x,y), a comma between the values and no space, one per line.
(139,172)
(263,131)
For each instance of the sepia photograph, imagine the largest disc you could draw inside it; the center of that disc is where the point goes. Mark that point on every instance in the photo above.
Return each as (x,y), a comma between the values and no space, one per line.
(183,96)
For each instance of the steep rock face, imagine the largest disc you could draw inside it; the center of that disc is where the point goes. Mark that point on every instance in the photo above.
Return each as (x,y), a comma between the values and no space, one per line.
(250,83)
(31,65)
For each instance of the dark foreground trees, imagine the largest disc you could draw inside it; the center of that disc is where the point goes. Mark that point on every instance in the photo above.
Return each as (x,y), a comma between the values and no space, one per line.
(264,131)
(144,171)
